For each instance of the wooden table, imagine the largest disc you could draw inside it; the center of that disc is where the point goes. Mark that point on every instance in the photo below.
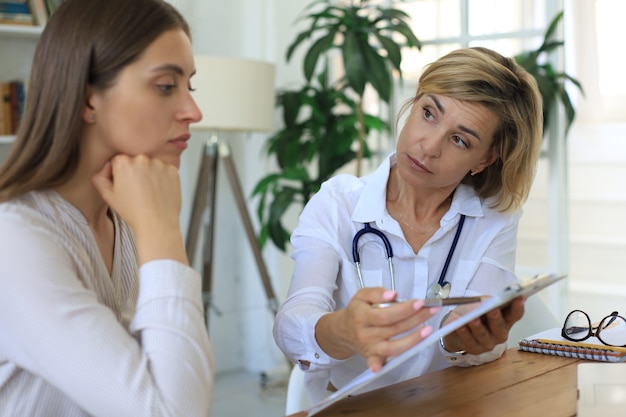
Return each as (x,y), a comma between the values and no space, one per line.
(518,384)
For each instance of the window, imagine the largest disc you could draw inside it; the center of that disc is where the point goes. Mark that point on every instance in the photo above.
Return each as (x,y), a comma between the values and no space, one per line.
(594,43)
(443,25)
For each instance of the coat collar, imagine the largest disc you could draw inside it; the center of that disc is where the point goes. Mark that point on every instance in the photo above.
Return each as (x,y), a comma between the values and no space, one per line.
(371,205)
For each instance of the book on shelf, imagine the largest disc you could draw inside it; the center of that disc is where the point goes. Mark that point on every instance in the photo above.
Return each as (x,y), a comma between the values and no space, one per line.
(27,12)
(11,106)
(5,109)
(550,342)
(16,98)
(14,7)
(16,12)
(16,19)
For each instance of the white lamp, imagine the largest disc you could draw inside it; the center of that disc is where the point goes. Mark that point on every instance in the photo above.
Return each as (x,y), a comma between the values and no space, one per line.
(234,95)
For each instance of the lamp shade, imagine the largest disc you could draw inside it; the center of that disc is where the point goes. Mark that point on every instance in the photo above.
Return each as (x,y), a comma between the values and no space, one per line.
(234,94)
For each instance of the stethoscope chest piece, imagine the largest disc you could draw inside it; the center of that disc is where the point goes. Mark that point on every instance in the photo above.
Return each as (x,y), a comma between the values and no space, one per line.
(440,291)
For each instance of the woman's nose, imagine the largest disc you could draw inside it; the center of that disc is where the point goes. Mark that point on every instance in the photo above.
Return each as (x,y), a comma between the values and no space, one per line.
(191,111)
(431,145)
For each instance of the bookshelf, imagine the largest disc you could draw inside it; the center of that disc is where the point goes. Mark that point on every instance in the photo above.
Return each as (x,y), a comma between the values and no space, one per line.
(17,47)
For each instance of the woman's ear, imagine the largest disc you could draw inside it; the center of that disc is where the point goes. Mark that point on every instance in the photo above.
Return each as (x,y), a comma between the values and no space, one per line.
(493,157)
(89,111)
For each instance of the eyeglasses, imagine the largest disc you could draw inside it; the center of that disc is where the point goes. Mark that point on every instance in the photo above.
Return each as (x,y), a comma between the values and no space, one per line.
(611,330)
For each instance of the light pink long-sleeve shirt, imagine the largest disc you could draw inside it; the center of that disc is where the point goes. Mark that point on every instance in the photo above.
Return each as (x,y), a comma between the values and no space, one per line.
(76,341)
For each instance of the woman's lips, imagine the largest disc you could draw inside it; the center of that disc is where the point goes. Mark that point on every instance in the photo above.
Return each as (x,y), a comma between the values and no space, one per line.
(418,166)
(181,141)
(180,144)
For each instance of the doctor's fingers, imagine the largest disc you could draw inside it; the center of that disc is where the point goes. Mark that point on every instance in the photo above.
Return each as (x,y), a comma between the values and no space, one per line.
(396,313)
(396,325)
(468,342)
(369,339)
(375,363)
(514,311)
(374,295)
(477,337)
(377,353)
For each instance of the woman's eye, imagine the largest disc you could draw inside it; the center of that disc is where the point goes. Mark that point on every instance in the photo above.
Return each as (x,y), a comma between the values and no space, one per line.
(166,88)
(460,142)
(427,114)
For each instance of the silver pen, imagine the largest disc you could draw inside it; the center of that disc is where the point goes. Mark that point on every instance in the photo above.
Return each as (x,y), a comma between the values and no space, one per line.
(437,302)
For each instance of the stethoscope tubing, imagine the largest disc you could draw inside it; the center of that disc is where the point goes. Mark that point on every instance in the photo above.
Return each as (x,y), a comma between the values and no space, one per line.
(367,228)
(451,251)
(357,258)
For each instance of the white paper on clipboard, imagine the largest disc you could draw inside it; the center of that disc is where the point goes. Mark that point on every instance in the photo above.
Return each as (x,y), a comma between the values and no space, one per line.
(525,288)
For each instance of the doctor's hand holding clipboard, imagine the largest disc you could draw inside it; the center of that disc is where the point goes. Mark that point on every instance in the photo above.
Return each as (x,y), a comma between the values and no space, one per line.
(482,334)
(378,335)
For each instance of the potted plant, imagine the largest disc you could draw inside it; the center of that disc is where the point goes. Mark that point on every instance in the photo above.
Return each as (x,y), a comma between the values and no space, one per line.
(325,125)
(550,82)
(324,121)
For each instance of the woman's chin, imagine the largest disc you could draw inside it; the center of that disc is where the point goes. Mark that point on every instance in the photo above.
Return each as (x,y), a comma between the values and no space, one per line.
(170,160)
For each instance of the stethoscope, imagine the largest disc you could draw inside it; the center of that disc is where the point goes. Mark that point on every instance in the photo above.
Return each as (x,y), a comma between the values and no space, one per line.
(441,289)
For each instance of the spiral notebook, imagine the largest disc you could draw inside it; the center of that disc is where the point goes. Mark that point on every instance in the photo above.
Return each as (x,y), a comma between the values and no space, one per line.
(550,342)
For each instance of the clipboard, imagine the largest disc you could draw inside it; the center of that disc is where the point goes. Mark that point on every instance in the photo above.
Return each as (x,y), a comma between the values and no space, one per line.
(524,288)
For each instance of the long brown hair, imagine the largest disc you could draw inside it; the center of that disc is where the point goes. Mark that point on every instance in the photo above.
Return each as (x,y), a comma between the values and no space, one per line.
(86,43)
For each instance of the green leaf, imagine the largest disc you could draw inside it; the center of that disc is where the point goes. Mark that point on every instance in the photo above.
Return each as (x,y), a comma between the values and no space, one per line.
(299,39)
(277,234)
(552,27)
(297,174)
(391,14)
(378,72)
(262,238)
(393,50)
(291,102)
(573,80)
(320,125)
(376,123)
(570,112)
(263,183)
(354,63)
(282,200)
(404,29)
(549,46)
(322,45)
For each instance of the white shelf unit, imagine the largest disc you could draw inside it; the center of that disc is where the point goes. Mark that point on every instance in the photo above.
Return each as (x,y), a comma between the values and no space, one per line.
(20,31)
(6,140)
(17,47)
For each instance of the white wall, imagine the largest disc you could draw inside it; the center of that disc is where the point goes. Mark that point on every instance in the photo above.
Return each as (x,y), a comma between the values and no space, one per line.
(261,30)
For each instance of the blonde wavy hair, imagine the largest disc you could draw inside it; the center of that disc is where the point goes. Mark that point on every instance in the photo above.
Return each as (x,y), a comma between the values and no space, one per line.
(499,83)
